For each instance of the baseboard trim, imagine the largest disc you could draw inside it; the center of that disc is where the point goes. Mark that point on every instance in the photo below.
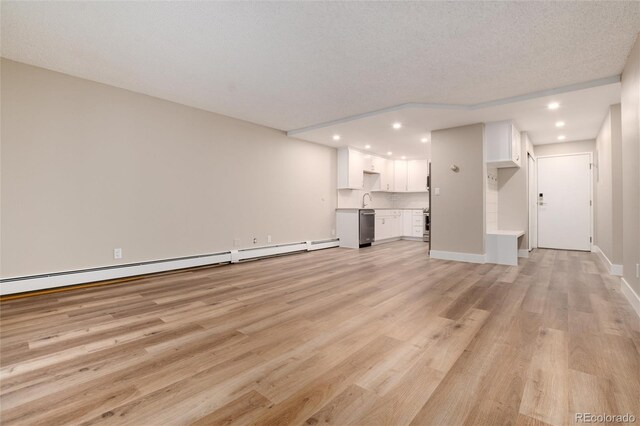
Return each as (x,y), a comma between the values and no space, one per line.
(631,295)
(613,268)
(457,256)
(386,240)
(523,253)
(403,238)
(63,279)
(420,239)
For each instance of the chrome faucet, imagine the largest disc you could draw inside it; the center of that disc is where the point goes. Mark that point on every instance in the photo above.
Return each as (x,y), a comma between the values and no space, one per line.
(364,204)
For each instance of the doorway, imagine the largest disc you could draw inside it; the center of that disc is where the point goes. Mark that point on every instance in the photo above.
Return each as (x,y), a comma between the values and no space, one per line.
(565,202)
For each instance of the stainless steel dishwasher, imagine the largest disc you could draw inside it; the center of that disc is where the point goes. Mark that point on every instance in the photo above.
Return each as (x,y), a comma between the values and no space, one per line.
(367,226)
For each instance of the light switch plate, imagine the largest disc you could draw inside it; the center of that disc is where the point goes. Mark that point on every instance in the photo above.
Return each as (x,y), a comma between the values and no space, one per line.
(436,191)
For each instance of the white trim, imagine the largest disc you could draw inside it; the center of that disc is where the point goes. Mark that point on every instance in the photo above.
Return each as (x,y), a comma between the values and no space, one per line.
(407,238)
(523,253)
(457,256)
(616,270)
(45,281)
(81,277)
(613,268)
(631,295)
(385,240)
(392,239)
(253,253)
(320,245)
(532,213)
(465,107)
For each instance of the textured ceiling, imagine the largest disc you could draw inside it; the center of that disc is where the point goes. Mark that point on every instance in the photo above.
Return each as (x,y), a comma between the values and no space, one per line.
(582,111)
(295,64)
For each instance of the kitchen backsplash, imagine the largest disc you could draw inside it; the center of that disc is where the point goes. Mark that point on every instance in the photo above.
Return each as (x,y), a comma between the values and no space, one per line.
(352,198)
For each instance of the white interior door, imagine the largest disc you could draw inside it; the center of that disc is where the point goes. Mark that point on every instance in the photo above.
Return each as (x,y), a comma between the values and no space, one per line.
(564,202)
(533,203)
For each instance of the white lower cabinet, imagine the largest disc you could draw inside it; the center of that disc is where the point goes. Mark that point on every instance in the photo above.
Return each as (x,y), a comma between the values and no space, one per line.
(398,223)
(407,222)
(388,224)
(383,227)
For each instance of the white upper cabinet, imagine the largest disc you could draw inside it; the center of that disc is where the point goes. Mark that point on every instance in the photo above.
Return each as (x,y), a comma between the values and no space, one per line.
(400,176)
(503,144)
(417,175)
(377,164)
(386,176)
(351,165)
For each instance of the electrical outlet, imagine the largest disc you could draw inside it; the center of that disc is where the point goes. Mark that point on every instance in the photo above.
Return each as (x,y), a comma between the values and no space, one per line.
(268,238)
(255,240)
(333,232)
(236,242)
(436,191)
(117,253)
(637,270)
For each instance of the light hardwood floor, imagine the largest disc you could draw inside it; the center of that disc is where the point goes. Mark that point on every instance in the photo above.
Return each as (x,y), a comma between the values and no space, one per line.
(380,336)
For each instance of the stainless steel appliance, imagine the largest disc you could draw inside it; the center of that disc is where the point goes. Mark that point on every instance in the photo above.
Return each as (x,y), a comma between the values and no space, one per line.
(426,231)
(367,227)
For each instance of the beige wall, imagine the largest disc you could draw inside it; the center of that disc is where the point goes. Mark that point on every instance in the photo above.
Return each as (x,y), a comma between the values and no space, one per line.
(630,117)
(458,213)
(565,148)
(608,226)
(87,168)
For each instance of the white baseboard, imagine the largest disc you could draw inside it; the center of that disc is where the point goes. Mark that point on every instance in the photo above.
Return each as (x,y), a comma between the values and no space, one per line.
(457,256)
(62,279)
(386,240)
(523,253)
(323,244)
(405,238)
(631,295)
(611,267)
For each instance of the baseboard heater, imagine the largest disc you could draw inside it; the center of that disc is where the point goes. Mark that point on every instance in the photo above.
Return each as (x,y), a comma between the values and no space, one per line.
(69,278)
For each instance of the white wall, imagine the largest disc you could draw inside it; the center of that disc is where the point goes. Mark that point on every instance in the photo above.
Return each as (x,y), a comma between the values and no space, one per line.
(492,199)
(608,226)
(513,207)
(87,168)
(630,117)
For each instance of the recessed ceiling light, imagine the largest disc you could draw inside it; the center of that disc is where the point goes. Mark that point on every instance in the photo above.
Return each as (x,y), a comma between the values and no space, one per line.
(403,157)
(424,140)
(367,146)
(336,137)
(561,137)
(553,105)
(389,153)
(397,125)
(559,123)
